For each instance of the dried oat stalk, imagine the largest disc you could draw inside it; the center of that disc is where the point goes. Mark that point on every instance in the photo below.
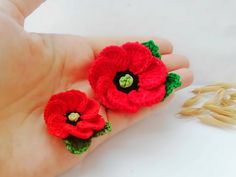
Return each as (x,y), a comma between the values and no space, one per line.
(227,102)
(217,98)
(225,119)
(191,111)
(224,85)
(209,120)
(219,110)
(233,96)
(192,101)
(220,95)
(206,89)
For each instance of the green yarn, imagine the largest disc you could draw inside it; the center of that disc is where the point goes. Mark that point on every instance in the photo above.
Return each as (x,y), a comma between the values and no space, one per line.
(76,145)
(126,81)
(172,82)
(79,146)
(107,129)
(153,48)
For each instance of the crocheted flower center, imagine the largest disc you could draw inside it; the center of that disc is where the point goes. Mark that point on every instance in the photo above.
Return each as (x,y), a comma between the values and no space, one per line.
(73,118)
(126,81)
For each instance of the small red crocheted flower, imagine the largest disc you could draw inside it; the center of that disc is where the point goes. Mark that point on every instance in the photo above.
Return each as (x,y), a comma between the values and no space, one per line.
(128,77)
(71,113)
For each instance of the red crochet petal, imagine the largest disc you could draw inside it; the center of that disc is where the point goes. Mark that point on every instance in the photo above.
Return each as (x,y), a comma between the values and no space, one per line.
(104,83)
(83,101)
(91,110)
(117,56)
(139,55)
(101,67)
(74,99)
(147,97)
(154,76)
(79,132)
(98,123)
(65,102)
(54,107)
(120,101)
(130,57)
(95,124)
(56,126)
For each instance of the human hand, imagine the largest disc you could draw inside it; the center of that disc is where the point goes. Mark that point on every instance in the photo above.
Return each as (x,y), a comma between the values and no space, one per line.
(35,66)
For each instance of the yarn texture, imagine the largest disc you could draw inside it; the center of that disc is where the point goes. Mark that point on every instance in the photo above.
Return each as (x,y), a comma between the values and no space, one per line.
(63,104)
(153,48)
(172,82)
(79,146)
(74,118)
(128,77)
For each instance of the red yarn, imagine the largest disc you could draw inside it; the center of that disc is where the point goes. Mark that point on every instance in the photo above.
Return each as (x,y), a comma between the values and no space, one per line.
(133,58)
(60,105)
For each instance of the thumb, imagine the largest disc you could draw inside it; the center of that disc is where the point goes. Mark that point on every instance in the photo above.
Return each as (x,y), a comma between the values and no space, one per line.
(19,9)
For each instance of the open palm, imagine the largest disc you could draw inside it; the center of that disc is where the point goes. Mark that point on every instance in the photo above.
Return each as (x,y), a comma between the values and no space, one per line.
(35,66)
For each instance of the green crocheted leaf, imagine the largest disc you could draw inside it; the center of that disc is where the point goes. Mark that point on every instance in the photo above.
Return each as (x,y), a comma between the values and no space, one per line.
(76,145)
(153,48)
(172,82)
(104,131)
(79,146)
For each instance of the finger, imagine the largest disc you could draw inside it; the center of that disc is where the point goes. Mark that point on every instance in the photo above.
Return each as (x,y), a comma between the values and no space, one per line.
(186,77)
(121,121)
(20,9)
(26,7)
(98,43)
(175,62)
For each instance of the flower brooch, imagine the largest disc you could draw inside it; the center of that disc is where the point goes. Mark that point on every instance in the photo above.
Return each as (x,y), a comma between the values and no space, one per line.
(131,76)
(124,78)
(74,118)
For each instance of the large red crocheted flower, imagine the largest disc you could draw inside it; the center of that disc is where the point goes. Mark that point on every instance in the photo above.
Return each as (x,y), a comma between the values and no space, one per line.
(72,113)
(128,77)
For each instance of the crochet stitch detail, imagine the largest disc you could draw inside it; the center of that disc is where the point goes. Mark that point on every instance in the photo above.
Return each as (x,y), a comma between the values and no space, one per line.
(78,146)
(120,84)
(126,81)
(74,118)
(172,82)
(72,113)
(133,58)
(107,129)
(153,48)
